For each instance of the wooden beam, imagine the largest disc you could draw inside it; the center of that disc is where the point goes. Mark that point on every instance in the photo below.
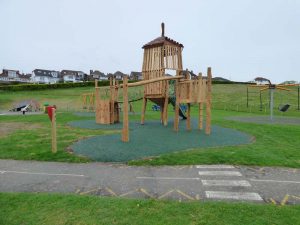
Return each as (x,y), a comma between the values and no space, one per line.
(176,119)
(200,119)
(125,131)
(165,108)
(143,110)
(208,102)
(143,82)
(188,120)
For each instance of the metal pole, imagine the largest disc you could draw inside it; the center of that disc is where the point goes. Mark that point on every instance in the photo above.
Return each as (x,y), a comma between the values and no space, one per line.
(298,97)
(247,98)
(260,101)
(271,103)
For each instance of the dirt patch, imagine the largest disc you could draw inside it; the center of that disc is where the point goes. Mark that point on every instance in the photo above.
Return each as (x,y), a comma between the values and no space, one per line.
(8,128)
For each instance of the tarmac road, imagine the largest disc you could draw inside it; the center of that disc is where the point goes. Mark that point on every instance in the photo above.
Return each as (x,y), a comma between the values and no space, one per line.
(183,183)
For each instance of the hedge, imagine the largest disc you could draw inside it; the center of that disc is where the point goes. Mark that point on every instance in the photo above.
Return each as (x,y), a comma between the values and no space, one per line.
(32,87)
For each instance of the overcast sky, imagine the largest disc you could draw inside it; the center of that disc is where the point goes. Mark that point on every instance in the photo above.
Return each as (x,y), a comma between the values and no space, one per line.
(238,39)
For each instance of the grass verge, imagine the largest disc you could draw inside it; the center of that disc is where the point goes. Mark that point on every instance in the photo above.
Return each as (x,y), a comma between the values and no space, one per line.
(23,208)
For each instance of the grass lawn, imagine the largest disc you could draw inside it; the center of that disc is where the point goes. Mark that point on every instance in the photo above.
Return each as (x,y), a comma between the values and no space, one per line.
(275,145)
(21,208)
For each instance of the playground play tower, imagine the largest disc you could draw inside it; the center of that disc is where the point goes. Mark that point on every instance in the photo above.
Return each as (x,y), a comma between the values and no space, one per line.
(160,54)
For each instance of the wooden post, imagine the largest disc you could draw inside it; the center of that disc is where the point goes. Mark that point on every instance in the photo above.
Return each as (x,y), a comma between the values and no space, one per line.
(188,121)
(125,131)
(53,126)
(200,118)
(97,102)
(143,110)
(165,108)
(200,121)
(176,119)
(208,102)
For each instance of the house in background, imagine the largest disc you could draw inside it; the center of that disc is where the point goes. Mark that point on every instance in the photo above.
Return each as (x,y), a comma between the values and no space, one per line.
(42,76)
(135,75)
(24,78)
(72,76)
(118,75)
(9,75)
(14,76)
(96,74)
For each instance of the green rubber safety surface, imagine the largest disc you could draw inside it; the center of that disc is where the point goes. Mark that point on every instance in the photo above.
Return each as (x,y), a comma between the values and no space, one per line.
(152,139)
(85,114)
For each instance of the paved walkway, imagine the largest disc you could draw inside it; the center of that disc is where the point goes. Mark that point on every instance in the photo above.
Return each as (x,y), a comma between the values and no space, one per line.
(202,182)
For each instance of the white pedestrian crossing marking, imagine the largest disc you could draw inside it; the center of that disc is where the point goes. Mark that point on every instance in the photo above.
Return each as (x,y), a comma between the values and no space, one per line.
(250,196)
(219,173)
(235,183)
(215,167)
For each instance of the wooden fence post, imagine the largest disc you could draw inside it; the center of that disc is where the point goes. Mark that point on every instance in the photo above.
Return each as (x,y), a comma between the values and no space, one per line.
(53,128)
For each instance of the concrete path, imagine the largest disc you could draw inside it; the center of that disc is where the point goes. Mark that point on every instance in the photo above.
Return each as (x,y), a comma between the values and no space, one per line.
(202,182)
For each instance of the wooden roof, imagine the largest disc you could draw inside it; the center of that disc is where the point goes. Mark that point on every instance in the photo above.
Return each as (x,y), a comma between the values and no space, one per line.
(162,40)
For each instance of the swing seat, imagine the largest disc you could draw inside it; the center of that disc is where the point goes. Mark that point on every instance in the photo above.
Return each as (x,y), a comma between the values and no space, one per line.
(284,108)
(156,108)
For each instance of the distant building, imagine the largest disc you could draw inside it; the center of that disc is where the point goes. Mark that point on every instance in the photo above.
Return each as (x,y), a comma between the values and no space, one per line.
(72,76)
(42,76)
(14,76)
(262,81)
(119,75)
(192,74)
(135,75)
(290,82)
(97,75)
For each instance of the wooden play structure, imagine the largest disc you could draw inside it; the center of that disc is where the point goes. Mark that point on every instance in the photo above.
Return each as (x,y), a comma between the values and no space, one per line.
(88,101)
(160,55)
(107,110)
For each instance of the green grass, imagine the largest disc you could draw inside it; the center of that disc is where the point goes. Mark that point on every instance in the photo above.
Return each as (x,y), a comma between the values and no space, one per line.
(275,145)
(20,208)
(225,96)
(35,144)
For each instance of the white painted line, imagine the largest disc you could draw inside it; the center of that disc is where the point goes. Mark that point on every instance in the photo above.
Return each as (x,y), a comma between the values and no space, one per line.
(215,167)
(250,196)
(169,178)
(46,174)
(277,181)
(236,183)
(219,173)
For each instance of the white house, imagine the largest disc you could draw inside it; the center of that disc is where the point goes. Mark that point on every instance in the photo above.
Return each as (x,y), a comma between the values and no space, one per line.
(98,75)
(136,76)
(14,76)
(41,76)
(72,76)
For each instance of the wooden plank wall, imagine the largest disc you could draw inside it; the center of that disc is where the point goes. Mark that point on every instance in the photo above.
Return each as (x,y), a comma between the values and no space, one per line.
(192,91)
(156,60)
